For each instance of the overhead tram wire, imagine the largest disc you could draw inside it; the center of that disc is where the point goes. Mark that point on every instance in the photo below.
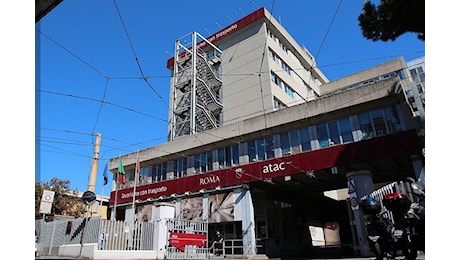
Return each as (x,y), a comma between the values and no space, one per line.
(135,56)
(325,36)
(229,74)
(261,64)
(105,102)
(100,107)
(73,54)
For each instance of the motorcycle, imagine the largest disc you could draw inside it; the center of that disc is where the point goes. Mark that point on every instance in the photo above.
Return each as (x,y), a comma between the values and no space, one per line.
(416,213)
(378,227)
(400,226)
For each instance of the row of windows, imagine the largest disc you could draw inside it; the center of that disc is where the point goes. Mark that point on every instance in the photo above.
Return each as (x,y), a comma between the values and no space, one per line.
(279,61)
(274,38)
(310,92)
(282,85)
(278,104)
(284,48)
(399,73)
(349,129)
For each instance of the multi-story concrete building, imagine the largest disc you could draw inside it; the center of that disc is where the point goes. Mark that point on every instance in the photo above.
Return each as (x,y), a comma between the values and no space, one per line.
(259,135)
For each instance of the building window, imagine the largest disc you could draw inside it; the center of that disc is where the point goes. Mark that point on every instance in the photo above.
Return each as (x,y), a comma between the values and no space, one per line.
(392,120)
(221,158)
(305,141)
(278,104)
(287,89)
(379,122)
(365,124)
(295,141)
(285,144)
(322,135)
(345,130)
(333,130)
(252,151)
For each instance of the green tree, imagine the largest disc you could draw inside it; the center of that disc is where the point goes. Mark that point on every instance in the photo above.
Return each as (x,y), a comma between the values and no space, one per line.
(66,202)
(392,18)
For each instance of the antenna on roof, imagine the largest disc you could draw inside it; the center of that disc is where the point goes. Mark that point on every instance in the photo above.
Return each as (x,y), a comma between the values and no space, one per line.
(241,10)
(229,18)
(207,30)
(216,23)
(253,3)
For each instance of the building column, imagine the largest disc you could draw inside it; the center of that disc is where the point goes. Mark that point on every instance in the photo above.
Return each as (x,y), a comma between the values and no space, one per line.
(161,212)
(244,211)
(360,183)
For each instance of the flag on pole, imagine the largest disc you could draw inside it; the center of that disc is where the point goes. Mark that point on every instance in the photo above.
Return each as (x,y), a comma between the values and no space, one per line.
(106,173)
(121,173)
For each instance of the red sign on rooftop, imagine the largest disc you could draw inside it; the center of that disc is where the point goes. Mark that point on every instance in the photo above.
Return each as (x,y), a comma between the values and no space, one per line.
(238,25)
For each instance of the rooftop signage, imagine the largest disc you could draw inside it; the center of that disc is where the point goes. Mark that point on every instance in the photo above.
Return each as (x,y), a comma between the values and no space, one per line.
(238,25)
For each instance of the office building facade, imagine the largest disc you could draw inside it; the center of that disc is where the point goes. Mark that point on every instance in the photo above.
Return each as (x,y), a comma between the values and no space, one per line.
(258,136)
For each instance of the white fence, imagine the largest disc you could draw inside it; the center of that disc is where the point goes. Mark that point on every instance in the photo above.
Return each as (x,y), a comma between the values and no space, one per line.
(109,235)
(403,187)
(120,236)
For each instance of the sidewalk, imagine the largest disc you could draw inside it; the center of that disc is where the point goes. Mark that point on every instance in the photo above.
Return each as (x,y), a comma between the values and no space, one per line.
(421,256)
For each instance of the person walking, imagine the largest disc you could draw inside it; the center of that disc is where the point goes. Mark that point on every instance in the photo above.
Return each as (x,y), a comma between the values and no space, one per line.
(218,243)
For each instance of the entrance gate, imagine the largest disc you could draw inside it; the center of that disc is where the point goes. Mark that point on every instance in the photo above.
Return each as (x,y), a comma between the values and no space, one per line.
(187,239)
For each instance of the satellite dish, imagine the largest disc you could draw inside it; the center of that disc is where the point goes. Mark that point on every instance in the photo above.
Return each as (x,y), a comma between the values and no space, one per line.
(88,197)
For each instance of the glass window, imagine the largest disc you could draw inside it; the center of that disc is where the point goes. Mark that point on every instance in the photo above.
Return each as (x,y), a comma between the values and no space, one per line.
(252,151)
(164,170)
(323,138)
(221,157)
(260,148)
(285,145)
(228,156)
(197,163)
(305,139)
(209,161)
(175,168)
(183,166)
(392,120)
(345,130)
(144,174)
(203,162)
(365,125)
(379,122)
(295,141)
(235,155)
(269,152)
(333,132)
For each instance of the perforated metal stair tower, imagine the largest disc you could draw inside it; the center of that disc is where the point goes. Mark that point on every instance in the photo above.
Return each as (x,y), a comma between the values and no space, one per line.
(197,86)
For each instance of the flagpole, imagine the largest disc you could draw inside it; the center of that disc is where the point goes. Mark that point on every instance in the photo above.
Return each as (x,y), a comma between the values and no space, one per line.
(136,174)
(102,191)
(116,192)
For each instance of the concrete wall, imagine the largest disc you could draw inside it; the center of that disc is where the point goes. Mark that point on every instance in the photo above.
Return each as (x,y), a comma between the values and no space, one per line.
(328,107)
(89,251)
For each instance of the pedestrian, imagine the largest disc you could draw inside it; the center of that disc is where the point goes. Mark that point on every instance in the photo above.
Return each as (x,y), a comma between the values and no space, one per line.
(218,243)
(102,240)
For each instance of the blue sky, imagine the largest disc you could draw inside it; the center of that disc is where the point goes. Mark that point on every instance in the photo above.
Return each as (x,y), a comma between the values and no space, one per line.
(86,52)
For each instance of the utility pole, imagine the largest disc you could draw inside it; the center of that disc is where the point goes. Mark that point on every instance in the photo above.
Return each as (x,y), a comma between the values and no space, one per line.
(93,174)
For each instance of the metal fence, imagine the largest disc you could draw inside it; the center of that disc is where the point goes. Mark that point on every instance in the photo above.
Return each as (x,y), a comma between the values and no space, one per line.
(109,235)
(189,227)
(121,235)
(402,186)
(54,234)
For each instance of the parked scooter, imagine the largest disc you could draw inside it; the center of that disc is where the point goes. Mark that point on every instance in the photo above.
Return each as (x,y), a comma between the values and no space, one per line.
(378,227)
(416,213)
(400,227)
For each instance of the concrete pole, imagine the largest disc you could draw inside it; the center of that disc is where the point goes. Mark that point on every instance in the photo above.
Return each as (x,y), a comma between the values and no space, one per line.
(93,174)
(360,183)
